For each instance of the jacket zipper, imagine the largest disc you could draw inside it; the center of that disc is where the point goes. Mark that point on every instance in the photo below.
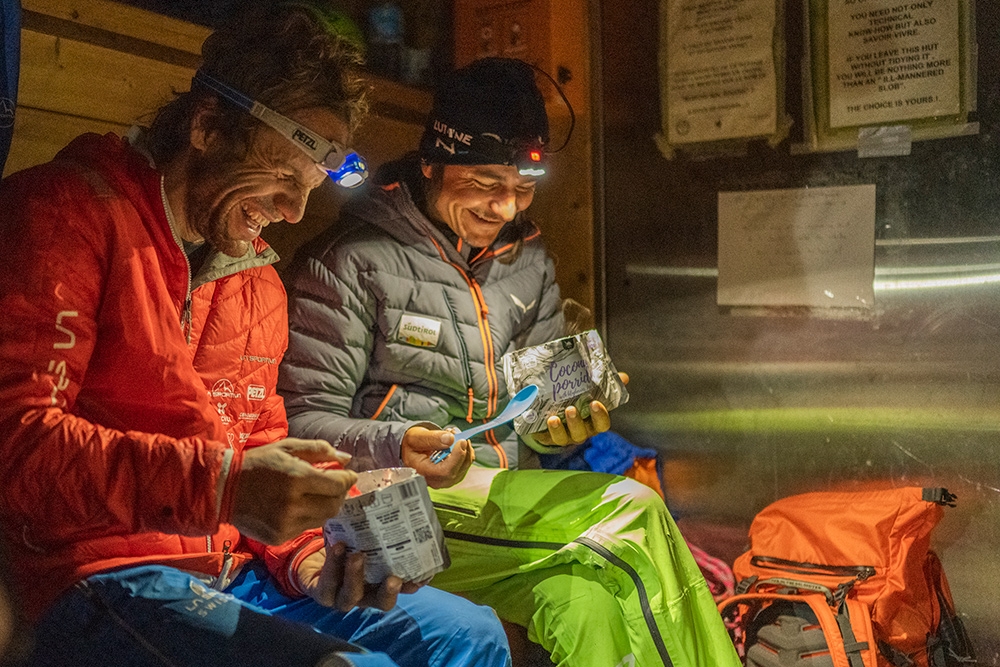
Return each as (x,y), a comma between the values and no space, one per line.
(492,383)
(222,581)
(186,314)
(385,402)
(482,321)
(491,370)
(466,363)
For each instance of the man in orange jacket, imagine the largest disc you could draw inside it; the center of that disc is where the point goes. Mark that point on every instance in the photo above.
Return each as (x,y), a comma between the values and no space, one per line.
(143,528)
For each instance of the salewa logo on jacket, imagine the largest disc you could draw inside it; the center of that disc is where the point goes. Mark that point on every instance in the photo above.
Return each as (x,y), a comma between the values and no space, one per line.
(520,304)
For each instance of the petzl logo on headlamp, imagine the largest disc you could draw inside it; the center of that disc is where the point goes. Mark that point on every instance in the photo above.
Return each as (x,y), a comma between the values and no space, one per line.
(303,138)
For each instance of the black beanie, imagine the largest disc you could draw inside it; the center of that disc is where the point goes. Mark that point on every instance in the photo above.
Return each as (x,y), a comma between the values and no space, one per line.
(488,112)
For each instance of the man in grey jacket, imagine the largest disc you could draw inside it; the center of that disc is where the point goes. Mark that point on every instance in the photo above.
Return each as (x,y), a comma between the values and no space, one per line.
(399,315)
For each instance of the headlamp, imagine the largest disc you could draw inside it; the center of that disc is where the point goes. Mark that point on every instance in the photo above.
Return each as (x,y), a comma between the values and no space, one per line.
(528,157)
(531,163)
(346,168)
(351,173)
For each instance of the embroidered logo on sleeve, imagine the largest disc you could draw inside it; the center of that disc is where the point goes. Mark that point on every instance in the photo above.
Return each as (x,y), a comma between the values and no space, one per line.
(419,331)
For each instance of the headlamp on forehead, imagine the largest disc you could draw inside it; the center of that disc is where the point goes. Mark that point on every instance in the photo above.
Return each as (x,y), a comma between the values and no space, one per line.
(345,167)
(531,163)
(530,157)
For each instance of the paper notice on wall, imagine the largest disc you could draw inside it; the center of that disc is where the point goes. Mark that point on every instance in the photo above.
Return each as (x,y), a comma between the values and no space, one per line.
(893,60)
(717,69)
(811,247)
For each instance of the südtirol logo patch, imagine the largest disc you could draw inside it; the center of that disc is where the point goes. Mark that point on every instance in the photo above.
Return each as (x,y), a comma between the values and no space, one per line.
(419,331)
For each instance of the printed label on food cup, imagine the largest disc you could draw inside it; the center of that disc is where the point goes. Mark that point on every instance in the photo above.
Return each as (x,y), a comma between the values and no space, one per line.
(393,522)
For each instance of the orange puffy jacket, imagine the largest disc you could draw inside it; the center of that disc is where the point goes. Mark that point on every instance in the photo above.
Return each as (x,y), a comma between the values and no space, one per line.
(111,449)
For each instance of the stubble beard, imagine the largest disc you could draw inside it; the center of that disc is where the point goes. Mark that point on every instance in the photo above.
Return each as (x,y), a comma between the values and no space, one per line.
(209,222)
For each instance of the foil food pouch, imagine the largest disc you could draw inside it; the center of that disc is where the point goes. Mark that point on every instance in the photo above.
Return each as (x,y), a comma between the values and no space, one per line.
(574,370)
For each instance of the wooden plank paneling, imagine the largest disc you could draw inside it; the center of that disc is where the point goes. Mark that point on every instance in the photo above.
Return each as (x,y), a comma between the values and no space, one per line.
(41,134)
(123,20)
(563,207)
(80,79)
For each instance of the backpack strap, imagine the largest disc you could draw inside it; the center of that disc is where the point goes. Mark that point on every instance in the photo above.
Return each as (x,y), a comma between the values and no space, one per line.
(950,644)
(853,646)
(938,495)
(848,647)
(897,657)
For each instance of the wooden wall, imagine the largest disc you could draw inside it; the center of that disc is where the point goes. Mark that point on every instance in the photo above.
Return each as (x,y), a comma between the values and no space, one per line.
(94,66)
(100,66)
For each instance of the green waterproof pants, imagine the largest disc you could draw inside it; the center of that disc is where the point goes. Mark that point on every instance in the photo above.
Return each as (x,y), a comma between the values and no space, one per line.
(591,564)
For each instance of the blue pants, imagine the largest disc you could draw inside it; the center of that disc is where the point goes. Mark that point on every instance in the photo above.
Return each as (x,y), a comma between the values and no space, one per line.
(156,615)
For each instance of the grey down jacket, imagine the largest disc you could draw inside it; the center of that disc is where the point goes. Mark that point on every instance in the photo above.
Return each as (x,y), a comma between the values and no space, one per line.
(390,326)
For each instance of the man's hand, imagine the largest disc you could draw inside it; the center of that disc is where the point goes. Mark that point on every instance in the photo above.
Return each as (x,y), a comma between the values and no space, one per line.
(576,429)
(279,493)
(335,578)
(420,443)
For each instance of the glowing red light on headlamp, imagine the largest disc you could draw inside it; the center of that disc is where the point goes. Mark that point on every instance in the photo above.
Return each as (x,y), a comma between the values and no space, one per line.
(535,156)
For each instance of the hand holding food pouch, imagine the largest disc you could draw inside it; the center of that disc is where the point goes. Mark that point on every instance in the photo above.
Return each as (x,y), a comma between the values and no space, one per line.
(574,370)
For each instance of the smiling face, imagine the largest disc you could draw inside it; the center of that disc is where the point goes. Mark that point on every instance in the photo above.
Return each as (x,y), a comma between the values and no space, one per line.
(229,201)
(476,201)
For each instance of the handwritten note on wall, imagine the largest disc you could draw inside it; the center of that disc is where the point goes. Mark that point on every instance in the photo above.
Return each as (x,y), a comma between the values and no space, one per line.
(803,247)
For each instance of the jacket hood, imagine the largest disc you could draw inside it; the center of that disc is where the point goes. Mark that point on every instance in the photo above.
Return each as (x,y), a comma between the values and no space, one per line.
(111,156)
(388,203)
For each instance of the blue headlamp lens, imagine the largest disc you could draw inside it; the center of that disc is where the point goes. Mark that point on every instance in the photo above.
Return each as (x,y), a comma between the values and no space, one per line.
(351,173)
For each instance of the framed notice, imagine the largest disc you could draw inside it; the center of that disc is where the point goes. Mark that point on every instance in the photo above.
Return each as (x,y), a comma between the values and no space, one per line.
(888,64)
(719,64)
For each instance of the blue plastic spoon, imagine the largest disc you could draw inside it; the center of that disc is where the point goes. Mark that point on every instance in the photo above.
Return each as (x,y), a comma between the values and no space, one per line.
(522,401)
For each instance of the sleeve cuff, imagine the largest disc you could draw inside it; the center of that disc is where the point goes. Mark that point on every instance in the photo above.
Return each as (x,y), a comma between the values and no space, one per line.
(543,449)
(229,476)
(307,549)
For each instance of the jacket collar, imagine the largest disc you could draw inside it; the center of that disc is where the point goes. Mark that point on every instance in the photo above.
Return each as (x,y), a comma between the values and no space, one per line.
(219,265)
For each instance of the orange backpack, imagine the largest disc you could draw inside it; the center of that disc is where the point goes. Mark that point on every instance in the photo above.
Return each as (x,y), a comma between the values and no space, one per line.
(846,579)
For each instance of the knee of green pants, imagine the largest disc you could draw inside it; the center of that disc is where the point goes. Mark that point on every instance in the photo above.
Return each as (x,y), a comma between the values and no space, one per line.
(570,611)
